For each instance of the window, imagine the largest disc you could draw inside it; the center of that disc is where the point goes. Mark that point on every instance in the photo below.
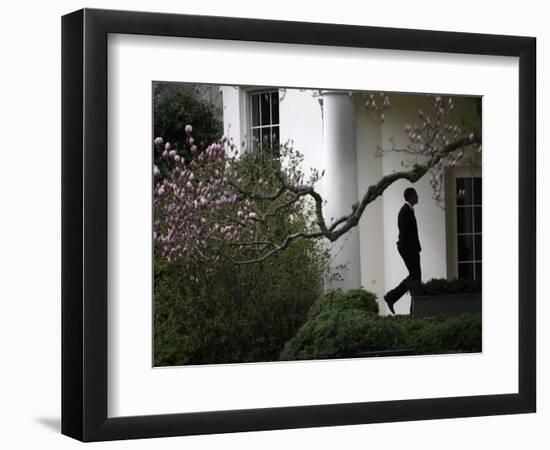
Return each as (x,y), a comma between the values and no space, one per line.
(264,119)
(468,227)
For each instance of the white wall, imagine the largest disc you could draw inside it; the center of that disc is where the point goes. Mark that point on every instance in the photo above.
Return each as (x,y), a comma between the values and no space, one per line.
(371,226)
(233,113)
(301,120)
(30,232)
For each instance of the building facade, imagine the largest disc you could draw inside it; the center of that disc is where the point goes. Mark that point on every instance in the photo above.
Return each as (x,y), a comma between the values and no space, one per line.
(335,133)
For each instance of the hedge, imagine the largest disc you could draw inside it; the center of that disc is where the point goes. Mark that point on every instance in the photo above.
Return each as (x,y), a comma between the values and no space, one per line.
(360,299)
(341,325)
(438,286)
(342,334)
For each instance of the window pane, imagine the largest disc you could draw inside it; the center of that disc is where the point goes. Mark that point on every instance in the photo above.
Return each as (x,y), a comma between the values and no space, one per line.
(464,220)
(265,108)
(463,191)
(466,270)
(477,190)
(478,271)
(477,247)
(477,219)
(275,108)
(264,133)
(255,99)
(275,138)
(465,248)
(255,138)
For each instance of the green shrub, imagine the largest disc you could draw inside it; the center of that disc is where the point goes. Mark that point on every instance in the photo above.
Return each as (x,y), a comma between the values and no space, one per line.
(235,313)
(458,334)
(440,334)
(360,299)
(342,333)
(438,286)
(176,105)
(213,313)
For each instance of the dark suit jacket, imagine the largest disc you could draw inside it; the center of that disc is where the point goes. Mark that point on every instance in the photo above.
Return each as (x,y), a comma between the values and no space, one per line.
(408,230)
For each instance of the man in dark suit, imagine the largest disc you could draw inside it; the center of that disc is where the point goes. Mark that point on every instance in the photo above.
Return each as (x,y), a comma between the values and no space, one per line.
(408,246)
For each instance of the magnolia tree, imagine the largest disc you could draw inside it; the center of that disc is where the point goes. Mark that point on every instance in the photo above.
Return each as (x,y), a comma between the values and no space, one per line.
(225,202)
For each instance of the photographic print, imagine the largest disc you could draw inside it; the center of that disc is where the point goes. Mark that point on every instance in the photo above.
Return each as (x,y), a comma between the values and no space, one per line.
(220,238)
(299,224)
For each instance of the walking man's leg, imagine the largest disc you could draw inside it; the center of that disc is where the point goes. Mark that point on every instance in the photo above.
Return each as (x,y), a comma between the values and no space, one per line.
(412,262)
(415,275)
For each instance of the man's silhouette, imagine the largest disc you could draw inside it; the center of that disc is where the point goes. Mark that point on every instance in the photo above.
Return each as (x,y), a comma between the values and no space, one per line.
(408,246)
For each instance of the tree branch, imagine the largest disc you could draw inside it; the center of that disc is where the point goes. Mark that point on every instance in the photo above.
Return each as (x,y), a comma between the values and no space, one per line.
(278,248)
(342,225)
(376,190)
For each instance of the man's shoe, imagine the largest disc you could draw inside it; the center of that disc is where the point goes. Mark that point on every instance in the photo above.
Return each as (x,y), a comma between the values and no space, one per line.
(390,304)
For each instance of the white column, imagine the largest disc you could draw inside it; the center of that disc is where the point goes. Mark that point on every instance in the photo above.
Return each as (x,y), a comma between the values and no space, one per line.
(340,184)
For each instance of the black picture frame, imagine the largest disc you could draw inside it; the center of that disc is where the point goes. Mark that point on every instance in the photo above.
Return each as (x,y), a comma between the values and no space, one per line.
(84,224)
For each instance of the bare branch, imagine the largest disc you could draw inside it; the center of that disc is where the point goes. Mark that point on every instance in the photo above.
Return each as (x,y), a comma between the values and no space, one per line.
(345,223)
(278,248)
(376,190)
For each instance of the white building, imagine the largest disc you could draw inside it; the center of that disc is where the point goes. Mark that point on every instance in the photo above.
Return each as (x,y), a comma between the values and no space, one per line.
(333,131)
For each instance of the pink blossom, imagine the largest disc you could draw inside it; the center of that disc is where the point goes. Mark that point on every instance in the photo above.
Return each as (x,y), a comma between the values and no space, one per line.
(188,129)
(158,140)
(198,196)
(167,146)
(156,171)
